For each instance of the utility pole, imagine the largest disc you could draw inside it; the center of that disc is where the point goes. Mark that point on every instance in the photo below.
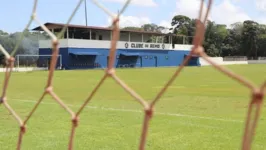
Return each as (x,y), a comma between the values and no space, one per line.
(86,12)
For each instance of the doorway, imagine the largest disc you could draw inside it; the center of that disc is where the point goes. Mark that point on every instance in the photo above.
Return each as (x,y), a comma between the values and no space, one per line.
(156,61)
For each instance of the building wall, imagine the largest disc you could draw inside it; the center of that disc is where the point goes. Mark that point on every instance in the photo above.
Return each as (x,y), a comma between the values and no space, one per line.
(147,58)
(151,54)
(101,59)
(151,58)
(92,44)
(48,51)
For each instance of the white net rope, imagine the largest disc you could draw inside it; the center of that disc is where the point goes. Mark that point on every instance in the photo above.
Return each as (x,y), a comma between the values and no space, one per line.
(254,105)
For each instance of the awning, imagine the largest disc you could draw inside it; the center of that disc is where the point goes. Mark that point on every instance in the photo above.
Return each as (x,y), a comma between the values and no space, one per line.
(85,53)
(130,54)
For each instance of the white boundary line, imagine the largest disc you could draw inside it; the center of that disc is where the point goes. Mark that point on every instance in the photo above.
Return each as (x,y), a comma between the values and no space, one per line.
(137,111)
(159,113)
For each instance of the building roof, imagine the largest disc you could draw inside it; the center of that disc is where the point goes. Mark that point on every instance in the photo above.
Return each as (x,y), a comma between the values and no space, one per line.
(50,25)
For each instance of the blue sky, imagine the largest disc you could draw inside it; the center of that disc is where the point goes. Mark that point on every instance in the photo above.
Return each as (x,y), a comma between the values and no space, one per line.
(15,14)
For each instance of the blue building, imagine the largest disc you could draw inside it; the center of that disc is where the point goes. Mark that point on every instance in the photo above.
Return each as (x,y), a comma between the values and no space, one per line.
(84,47)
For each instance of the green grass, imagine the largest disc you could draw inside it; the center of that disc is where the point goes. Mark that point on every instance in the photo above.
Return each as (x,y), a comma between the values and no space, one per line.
(212,107)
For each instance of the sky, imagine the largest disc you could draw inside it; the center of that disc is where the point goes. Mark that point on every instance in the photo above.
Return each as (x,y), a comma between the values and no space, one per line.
(15,14)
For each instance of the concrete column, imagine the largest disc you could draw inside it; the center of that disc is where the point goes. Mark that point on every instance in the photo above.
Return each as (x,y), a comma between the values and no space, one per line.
(67,33)
(90,35)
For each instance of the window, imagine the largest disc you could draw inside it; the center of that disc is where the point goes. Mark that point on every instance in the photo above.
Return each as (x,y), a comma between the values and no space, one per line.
(146,57)
(166,57)
(150,57)
(100,37)
(93,35)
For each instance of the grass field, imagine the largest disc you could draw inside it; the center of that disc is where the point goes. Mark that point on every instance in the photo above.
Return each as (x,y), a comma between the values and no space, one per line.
(203,109)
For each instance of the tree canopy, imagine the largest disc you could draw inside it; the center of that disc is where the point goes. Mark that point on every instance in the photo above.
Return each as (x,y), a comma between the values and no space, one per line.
(247,38)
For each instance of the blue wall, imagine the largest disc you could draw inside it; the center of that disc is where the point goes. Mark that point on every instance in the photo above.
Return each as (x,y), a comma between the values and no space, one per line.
(146,58)
(48,51)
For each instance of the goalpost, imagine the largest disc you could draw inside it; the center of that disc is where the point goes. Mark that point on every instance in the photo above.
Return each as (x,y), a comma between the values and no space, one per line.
(35,62)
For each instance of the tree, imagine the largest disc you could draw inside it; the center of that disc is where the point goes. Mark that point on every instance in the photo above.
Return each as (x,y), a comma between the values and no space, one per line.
(2,59)
(3,33)
(250,38)
(210,39)
(180,24)
(133,28)
(184,28)
(261,45)
(232,42)
(215,35)
(152,28)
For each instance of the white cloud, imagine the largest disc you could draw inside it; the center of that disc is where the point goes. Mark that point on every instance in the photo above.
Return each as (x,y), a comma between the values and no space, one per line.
(222,13)
(148,3)
(131,21)
(188,8)
(261,5)
(166,24)
(227,13)
(136,21)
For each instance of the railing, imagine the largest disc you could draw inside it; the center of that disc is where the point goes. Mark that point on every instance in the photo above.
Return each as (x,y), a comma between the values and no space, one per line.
(235,58)
(82,43)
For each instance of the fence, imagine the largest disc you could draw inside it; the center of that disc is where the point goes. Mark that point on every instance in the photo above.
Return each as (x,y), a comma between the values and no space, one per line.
(241,58)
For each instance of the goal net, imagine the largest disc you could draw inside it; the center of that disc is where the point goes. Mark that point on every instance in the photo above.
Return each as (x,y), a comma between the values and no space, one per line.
(255,104)
(35,62)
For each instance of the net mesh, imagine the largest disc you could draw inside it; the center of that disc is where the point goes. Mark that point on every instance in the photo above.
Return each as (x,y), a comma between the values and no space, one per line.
(257,93)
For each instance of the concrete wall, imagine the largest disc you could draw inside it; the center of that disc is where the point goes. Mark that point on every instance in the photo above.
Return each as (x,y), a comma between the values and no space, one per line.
(81,43)
(145,58)
(23,69)
(219,61)
(256,61)
(151,58)
(47,51)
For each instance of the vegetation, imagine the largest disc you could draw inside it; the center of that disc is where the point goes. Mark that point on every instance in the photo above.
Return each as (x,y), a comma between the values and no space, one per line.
(206,112)
(246,38)
(29,44)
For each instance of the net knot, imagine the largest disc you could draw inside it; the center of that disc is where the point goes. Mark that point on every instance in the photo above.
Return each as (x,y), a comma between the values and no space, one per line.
(110,71)
(11,59)
(2,100)
(22,129)
(116,20)
(55,42)
(49,89)
(149,112)
(75,121)
(198,50)
(33,16)
(257,96)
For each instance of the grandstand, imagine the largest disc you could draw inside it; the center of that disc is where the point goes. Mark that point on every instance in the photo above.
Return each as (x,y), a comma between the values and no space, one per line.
(84,47)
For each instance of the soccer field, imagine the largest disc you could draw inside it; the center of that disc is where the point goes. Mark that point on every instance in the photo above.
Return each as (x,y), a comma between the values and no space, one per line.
(203,109)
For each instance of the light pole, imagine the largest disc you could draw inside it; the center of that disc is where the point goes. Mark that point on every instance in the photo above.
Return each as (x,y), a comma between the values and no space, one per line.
(86,12)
